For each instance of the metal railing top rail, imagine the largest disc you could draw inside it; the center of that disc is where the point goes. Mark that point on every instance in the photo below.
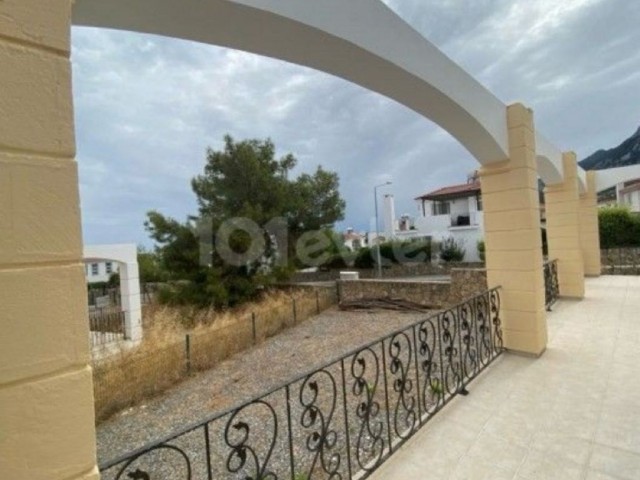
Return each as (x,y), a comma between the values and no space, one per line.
(307,374)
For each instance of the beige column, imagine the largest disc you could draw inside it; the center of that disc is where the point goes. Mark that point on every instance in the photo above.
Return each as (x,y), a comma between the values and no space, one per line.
(513,237)
(589,233)
(562,205)
(46,396)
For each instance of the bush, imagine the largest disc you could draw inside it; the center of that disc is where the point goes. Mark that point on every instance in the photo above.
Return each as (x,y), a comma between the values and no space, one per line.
(451,250)
(340,260)
(398,252)
(365,258)
(481,249)
(618,227)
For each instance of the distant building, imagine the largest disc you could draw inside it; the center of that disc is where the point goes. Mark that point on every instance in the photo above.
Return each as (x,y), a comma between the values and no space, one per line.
(452,211)
(628,193)
(354,240)
(99,271)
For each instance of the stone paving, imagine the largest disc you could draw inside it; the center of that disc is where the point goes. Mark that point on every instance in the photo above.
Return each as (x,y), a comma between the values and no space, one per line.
(572,414)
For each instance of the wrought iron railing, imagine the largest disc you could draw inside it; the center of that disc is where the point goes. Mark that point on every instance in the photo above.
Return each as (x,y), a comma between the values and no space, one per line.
(551,286)
(340,421)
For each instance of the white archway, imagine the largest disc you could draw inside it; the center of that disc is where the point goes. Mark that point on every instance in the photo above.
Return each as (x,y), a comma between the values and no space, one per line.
(362,41)
(127,257)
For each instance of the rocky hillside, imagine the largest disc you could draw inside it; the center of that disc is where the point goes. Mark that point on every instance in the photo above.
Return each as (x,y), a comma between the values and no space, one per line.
(627,153)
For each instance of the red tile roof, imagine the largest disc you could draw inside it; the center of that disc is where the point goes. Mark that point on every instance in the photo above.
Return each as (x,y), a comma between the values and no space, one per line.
(452,191)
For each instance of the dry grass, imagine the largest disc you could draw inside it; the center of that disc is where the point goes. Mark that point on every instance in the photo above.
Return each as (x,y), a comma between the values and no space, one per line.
(130,376)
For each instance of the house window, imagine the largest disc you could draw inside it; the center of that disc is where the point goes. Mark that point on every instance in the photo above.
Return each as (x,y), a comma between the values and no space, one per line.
(94,269)
(109,267)
(479,202)
(440,208)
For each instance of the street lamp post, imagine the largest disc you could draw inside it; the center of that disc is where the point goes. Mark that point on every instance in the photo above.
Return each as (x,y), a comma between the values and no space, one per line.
(375,200)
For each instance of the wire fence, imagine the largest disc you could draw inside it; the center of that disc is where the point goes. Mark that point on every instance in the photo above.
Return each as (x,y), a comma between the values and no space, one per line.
(124,378)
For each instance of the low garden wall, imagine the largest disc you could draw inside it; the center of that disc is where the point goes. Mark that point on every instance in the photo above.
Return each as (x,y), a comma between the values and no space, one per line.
(620,261)
(392,271)
(464,283)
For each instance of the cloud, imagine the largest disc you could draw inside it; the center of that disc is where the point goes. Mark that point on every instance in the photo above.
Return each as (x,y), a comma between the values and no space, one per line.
(148,107)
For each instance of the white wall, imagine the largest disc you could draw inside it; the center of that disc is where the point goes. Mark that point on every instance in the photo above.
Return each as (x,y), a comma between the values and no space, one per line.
(438,227)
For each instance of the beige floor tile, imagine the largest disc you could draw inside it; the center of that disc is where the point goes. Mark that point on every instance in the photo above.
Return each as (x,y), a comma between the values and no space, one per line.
(571,448)
(517,429)
(570,414)
(546,466)
(594,475)
(616,462)
(625,437)
(474,468)
(498,451)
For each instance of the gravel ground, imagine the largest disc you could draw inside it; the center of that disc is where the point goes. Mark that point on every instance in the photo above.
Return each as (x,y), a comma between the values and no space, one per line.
(248,374)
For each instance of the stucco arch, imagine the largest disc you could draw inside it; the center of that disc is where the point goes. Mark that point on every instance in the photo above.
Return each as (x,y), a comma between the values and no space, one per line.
(549,163)
(127,257)
(362,41)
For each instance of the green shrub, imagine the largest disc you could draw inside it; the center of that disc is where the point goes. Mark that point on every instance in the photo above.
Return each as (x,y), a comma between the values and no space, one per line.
(365,258)
(618,227)
(399,252)
(481,249)
(451,250)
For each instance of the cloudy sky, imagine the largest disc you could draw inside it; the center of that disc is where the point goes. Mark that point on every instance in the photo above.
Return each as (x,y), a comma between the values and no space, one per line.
(147,107)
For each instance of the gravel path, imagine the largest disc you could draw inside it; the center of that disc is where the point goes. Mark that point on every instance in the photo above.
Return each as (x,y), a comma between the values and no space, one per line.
(246,375)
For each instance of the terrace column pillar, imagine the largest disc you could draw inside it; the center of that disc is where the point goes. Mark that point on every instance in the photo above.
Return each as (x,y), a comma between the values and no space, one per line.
(589,230)
(562,204)
(130,297)
(512,236)
(46,395)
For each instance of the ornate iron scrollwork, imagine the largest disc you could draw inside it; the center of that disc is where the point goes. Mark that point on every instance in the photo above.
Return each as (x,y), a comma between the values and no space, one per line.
(323,439)
(433,384)
(551,286)
(244,457)
(399,367)
(180,469)
(370,442)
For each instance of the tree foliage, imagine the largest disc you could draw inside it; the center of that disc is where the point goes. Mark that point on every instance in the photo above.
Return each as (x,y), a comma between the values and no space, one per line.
(150,267)
(244,180)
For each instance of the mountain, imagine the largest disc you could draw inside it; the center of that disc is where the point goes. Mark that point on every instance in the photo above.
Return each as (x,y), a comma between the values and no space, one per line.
(627,153)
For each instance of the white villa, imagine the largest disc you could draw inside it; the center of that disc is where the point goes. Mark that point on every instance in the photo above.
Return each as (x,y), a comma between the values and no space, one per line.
(452,211)
(99,271)
(354,240)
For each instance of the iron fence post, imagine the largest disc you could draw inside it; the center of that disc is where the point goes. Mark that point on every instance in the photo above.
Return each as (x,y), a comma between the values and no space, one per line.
(187,349)
(253,326)
(295,316)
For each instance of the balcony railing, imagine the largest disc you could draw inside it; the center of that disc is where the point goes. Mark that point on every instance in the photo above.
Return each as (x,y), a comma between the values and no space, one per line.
(469,219)
(551,286)
(340,421)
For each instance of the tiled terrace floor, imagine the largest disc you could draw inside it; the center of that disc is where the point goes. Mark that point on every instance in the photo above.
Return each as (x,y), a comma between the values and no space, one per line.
(574,413)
